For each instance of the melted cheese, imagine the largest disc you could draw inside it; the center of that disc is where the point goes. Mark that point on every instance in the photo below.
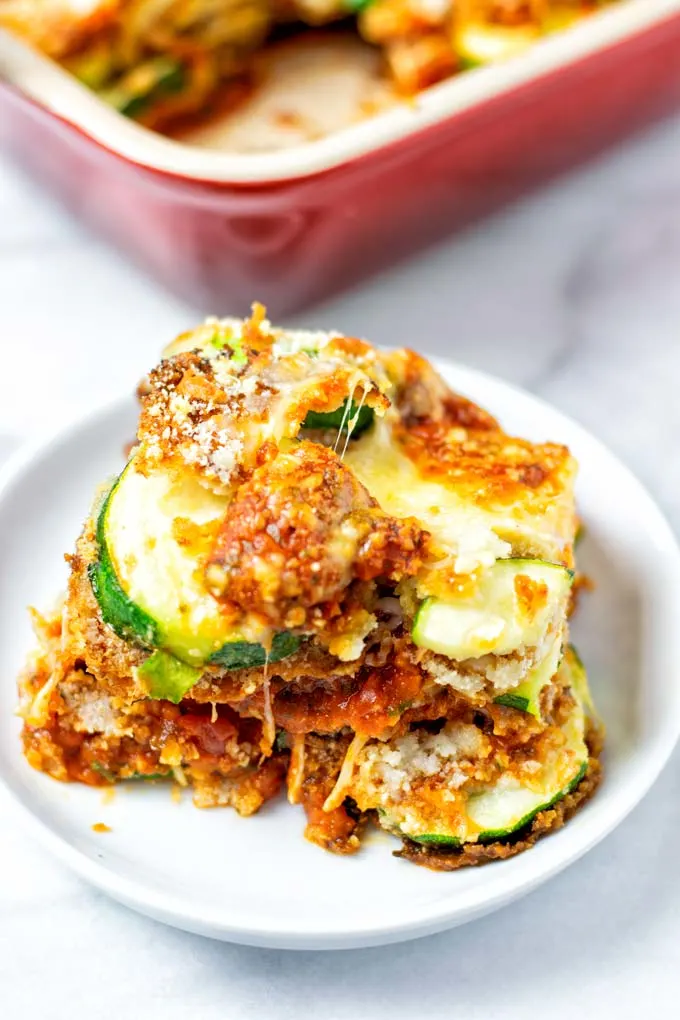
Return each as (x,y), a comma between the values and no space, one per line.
(339,791)
(470,530)
(461,529)
(157,563)
(296,769)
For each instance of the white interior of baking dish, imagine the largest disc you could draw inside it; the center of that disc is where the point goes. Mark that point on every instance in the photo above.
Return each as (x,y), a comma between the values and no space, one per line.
(46,83)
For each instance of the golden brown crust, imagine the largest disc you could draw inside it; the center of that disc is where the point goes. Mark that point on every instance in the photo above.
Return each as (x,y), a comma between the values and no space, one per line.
(196,405)
(298,534)
(87,637)
(420,394)
(474,854)
(488,465)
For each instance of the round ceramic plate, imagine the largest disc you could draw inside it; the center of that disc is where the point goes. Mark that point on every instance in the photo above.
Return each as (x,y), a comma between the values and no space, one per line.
(256,880)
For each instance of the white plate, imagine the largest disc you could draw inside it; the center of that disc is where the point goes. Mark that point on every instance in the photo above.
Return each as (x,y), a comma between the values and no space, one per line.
(256,880)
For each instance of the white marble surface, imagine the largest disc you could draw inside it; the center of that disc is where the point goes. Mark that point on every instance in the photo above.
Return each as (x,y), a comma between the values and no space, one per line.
(574,294)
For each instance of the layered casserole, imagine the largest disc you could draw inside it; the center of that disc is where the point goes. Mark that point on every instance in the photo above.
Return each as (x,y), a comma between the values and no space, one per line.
(322,570)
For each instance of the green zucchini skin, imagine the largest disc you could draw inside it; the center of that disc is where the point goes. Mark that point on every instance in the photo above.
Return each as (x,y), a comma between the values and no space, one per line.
(93,68)
(436,840)
(167,678)
(456,628)
(128,620)
(137,777)
(134,93)
(526,697)
(135,626)
(491,835)
(134,777)
(441,842)
(340,418)
(244,655)
(104,772)
(512,701)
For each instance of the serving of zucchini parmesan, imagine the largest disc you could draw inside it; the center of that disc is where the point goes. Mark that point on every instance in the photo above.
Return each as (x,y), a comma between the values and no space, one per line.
(323,572)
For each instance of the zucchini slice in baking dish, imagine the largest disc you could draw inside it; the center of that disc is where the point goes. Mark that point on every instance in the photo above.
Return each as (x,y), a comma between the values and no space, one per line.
(511,606)
(479,44)
(152,531)
(135,91)
(488,813)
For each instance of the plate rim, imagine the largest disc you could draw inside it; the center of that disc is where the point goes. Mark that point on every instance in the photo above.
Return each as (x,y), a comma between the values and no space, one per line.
(599,819)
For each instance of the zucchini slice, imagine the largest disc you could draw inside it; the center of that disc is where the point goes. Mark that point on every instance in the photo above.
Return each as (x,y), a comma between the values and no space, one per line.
(579,681)
(94,67)
(148,579)
(167,677)
(478,44)
(510,607)
(434,839)
(527,695)
(484,814)
(353,421)
(244,654)
(500,812)
(136,91)
(125,617)
(114,777)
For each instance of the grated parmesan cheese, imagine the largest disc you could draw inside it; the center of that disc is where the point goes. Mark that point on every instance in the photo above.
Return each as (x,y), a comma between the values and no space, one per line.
(214,450)
(390,769)
(301,341)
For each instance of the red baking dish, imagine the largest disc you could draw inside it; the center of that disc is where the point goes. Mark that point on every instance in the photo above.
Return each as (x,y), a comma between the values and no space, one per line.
(290,226)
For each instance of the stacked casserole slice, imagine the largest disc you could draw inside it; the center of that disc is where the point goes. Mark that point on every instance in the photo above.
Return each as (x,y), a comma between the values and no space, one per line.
(321,567)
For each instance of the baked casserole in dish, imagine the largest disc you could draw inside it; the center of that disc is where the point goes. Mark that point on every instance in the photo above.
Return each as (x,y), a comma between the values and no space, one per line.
(158,61)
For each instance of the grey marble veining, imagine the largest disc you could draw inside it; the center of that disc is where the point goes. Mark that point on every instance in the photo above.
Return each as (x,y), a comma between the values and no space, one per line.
(573,294)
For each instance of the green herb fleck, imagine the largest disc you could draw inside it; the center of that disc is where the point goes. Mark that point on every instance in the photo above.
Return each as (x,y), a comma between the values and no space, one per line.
(224,338)
(104,772)
(281,741)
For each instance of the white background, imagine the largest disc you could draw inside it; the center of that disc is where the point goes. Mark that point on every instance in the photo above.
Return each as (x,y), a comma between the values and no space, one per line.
(574,294)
